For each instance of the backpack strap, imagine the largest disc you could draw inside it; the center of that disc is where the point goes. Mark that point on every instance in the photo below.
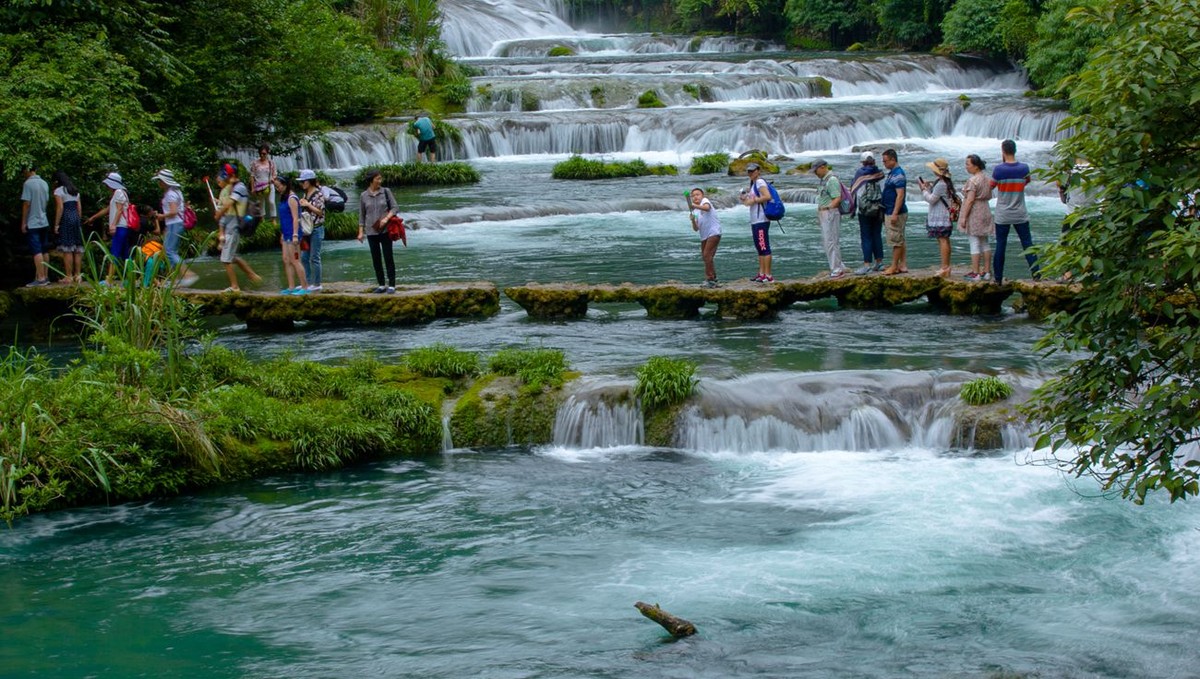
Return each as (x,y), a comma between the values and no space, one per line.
(391,200)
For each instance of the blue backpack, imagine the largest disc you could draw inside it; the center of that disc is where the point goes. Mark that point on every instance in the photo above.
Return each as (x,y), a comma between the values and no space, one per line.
(772,209)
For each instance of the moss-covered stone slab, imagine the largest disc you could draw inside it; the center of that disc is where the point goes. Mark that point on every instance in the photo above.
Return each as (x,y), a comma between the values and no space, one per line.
(671,300)
(762,302)
(970,299)
(1042,298)
(499,411)
(5,305)
(551,302)
(882,292)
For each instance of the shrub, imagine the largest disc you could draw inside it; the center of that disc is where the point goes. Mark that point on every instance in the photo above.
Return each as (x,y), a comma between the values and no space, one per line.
(578,167)
(664,381)
(984,390)
(535,367)
(650,99)
(709,164)
(421,174)
(441,360)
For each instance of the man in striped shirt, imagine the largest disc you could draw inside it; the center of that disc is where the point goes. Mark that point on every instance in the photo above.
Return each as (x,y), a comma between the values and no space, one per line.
(1009,179)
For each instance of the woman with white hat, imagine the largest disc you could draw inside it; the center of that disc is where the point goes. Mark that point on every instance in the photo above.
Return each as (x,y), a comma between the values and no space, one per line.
(939,193)
(122,236)
(171,221)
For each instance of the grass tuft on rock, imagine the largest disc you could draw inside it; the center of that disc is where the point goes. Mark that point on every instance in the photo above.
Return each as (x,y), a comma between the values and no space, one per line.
(578,167)
(421,174)
(984,390)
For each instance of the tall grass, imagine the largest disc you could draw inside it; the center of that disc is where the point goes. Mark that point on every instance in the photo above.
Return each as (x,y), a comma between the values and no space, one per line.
(578,167)
(422,174)
(663,381)
(441,360)
(536,368)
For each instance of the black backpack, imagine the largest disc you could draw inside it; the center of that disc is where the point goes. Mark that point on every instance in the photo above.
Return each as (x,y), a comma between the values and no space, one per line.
(336,200)
(870,200)
(248,224)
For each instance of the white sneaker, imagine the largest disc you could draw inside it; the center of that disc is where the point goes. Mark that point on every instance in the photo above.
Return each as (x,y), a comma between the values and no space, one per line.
(315,288)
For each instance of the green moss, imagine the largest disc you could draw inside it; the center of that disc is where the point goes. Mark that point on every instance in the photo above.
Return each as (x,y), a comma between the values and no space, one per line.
(672,301)
(660,426)
(737,167)
(560,51)
(598,96)
(550,302)
(822,87)
(529,101)
(965,100)
(650,99)
(497,412)
(421,174)
(856,47)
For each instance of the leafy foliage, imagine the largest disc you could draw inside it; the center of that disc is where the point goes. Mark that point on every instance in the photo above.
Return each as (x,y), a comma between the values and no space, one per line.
(536,368)
(664,381)
(974,26)
(578,167)
(1061,46)
(1127,412)
(421,174)
(441,360)
(985,390)
(711,163)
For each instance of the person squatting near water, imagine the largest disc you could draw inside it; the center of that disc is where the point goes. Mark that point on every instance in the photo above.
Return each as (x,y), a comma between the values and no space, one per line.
(705,221)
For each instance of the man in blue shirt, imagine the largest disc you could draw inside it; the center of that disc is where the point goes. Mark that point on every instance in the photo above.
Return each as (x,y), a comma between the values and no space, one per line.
(1009,179)
(895,212)
(35,224)
(422,129)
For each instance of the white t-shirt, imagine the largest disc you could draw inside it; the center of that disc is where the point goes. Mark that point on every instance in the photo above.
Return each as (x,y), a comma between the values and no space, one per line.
(757,216)
(116,208)
(173,197)
(61,192)
(707,220)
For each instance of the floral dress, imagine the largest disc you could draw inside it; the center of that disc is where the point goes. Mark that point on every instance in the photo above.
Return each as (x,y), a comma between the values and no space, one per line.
(979,221)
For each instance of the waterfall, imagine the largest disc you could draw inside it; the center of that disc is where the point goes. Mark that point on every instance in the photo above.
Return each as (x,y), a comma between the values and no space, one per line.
(447,438)
(601,415)
(472,27)
(809,412)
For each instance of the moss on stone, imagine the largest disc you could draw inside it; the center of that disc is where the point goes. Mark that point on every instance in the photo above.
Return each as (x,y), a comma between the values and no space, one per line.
(822,87)
(756,304)
(982,427)
(650,99)
(969,299)
(660,425)
(671,301)
(5,305)
(881,292)
(1042,299)
(737,167)
(550,301)
(560,51)
(496,412)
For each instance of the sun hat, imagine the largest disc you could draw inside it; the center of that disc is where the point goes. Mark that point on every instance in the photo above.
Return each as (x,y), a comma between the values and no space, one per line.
(752,167)
(307,176)
(818,164)
(167,177)
(939,167)
(113,181)
(867,155)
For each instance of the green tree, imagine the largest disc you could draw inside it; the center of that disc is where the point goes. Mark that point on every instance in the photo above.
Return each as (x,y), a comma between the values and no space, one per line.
(1060,47)
(1128,410)
(973,26)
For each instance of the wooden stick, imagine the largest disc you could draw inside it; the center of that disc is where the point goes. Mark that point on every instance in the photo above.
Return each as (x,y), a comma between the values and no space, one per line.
(678,627)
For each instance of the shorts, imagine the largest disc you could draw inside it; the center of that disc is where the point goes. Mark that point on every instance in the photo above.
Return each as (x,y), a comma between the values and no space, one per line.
(122,243)
(39,240)
(894,229)
(762,238)
(229,246)
(938,231)
(427,145)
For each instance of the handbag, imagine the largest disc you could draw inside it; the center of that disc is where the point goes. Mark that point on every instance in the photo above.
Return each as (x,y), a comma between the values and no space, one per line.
(308,222)
(395,230)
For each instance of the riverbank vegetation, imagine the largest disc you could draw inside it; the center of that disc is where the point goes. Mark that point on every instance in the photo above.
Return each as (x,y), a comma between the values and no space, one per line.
(421,174)
(578,167)
(710,163)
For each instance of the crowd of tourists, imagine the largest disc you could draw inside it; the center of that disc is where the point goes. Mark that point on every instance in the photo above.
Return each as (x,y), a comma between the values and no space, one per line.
(877,197)
(298,205)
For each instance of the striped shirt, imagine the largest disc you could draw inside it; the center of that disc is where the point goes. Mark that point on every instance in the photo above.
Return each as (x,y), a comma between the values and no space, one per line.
(1009,180)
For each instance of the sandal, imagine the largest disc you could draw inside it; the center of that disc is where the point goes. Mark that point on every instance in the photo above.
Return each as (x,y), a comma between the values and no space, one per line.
(232,289)
(890,271)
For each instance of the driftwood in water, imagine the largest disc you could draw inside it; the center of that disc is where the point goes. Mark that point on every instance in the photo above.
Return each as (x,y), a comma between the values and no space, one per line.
(678,627)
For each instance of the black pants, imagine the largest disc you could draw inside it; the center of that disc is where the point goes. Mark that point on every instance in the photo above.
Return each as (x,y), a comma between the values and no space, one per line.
(381,254)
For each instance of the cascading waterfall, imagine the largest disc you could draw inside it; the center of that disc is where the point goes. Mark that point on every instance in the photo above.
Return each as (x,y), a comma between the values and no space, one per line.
(472,27)
(807,412)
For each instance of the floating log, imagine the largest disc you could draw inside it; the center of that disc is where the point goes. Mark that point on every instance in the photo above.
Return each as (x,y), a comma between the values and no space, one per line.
(678,627)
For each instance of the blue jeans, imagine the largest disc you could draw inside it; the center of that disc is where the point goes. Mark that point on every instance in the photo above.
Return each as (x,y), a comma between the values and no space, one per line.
(311,258)
(1002,244)
(870,233)
(171,238)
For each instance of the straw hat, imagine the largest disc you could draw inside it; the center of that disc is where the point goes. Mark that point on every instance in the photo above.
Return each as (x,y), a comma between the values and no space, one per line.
(113,181)
(939,167)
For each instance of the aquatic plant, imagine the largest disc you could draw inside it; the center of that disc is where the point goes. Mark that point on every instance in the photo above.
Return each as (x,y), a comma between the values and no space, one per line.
(709,164)
(578,167)
(560,51)
(421,174)
(650,99)
(664,381)
(536,368)
(441,360)
(530,101)
(984,390)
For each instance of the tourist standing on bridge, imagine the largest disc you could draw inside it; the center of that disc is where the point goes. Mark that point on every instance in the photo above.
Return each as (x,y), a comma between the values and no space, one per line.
(939,194)
(289,236)
(760,226)
(895,187)
(870,213)
(171,219)
(829,217)
(68,226)
(35,194)
(976,218)
(376,206)
(1009,179)
(262,175)
(704,220)
(313,203)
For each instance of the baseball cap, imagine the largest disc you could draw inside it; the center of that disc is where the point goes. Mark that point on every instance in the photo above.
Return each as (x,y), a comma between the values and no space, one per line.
(866,155)
(818,163)
(752,167)
(307,176)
